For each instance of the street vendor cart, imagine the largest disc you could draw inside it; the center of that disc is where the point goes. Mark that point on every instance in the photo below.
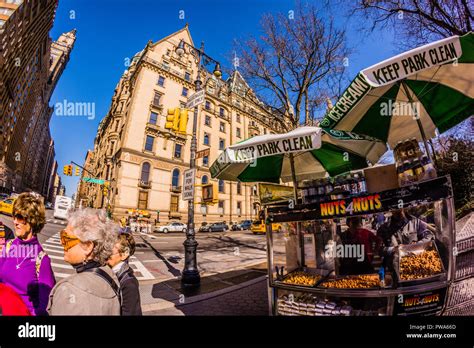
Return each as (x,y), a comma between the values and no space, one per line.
(411,279)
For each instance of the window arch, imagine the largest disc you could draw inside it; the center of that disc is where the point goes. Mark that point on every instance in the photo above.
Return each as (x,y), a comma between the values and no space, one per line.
(204,180)
(145,175)
(175,178)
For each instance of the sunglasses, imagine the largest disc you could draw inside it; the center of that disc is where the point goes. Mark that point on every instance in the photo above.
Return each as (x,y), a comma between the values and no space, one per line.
(67,241)
(20,218)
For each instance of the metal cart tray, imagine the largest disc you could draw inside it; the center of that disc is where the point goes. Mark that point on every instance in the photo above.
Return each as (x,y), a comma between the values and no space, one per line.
(418,248)
(349,277)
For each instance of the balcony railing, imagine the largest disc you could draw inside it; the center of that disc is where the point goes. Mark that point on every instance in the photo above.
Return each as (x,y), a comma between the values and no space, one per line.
(144,184)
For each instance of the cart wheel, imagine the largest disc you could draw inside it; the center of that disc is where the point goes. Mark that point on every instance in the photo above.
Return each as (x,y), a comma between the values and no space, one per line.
(165,230)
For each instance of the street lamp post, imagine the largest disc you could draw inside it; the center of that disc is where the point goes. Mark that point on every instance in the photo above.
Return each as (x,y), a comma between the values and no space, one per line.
(190,277)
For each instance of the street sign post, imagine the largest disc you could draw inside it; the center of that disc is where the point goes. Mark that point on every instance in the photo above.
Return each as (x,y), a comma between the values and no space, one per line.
(189,178)
(196,99)
(93,180)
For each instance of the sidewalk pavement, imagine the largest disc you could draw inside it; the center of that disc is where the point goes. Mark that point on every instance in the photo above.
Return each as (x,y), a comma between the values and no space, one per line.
(242,292)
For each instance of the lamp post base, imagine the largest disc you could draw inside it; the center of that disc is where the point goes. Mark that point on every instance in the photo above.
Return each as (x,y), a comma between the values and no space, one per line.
(190,276)
(191,279)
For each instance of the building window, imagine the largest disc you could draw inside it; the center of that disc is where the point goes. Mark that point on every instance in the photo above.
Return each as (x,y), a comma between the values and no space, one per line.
(207,105)
(206,139)
(184,92)
(221,144)
(221,112)
(254,190)
(239,208)
(187,76)
(221,207)
(222,127)
(205,161)
(117,125)
(149,143)
(112,146)
(239,188)
(238,133)
(153,118)
(161,81)
(145,175)
(238,118)
(175,178)
(221,186)
(204,180)
(143,200)
(207,120)
(156,99)
(264,131)
(177,150)
(174,204)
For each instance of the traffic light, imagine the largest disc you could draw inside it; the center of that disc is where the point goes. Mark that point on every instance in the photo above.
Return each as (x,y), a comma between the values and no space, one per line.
(78,171)
(183,121)
(210,193)
(105,188)
(172,120)
(67,169)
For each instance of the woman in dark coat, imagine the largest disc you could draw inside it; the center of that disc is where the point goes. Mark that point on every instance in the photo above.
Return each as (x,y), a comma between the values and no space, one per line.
(123,249)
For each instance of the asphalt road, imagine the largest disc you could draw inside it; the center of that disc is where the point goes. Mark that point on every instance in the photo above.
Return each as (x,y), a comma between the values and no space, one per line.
(160,256)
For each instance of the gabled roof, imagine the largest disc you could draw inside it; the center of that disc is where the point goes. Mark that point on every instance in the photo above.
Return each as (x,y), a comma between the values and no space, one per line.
(185,29)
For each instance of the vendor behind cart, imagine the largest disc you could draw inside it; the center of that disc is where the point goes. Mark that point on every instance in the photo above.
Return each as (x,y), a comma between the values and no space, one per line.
(404,228)
(370,245)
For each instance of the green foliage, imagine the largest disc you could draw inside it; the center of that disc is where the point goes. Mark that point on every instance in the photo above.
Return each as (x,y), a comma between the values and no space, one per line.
(455,158)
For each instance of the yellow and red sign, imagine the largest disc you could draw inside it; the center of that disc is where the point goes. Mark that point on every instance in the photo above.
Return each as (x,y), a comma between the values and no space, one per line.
(356,205)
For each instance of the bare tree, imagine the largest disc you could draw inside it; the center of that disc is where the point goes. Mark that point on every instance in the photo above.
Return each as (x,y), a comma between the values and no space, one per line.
(290,64)
(419,21)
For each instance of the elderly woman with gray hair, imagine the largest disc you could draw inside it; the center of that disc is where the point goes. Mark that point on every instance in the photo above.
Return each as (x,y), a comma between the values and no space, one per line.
(88,242)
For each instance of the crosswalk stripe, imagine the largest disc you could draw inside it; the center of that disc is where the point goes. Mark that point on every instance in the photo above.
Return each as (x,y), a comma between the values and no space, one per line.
(141,268)
(52,246)
(59,265)
(61,275)
(57,242)
(54,251)
(56,257)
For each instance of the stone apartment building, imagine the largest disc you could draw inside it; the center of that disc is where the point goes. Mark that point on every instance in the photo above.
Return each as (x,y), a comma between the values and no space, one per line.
(30,67)
(144,162)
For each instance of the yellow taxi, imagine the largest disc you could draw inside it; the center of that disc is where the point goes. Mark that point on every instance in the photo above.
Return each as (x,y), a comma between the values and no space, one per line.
(258,226)
(6,206)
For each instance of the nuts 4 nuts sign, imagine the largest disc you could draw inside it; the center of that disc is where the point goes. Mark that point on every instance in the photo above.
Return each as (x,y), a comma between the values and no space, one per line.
(188,184)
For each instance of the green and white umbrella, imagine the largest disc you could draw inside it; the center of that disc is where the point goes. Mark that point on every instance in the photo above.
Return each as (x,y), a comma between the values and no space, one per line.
(411,94)
(316,152)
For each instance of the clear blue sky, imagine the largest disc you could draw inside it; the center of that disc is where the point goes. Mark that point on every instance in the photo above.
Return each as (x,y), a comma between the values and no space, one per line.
(109,31)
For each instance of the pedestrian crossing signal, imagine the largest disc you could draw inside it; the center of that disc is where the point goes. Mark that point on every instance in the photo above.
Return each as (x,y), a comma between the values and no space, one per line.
(209,193)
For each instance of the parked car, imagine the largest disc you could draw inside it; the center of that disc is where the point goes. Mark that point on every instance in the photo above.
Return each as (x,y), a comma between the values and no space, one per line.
(204,227)
(6,206)
(172,227)
(215,227)
(242,225)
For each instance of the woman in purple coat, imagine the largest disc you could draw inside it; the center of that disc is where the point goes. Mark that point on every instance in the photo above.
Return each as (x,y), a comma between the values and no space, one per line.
(24,265)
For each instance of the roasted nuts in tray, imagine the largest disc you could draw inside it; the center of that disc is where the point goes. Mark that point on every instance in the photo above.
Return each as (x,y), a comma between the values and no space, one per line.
(422,265)
(301,278)
(354,282)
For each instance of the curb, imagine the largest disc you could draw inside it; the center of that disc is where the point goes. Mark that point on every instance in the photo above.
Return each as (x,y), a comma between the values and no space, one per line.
(203,297)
